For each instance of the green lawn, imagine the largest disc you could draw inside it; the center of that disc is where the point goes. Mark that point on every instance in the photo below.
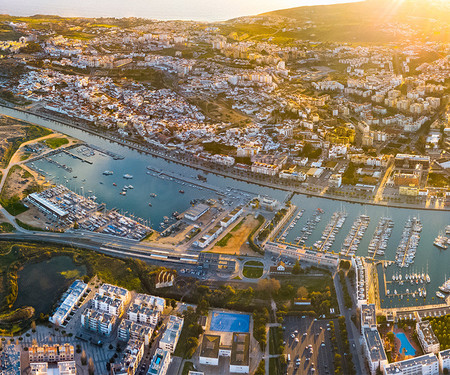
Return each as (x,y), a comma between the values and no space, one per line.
(6,228)
(56,142)
(256,263)
(252,272)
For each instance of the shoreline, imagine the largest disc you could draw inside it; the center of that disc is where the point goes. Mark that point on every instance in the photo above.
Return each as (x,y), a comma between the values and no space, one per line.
(169,158)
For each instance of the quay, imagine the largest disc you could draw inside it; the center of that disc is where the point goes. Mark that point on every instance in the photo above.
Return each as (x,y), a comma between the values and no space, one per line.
(76,157)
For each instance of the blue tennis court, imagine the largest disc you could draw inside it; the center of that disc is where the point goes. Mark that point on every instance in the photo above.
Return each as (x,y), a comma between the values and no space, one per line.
(229,322)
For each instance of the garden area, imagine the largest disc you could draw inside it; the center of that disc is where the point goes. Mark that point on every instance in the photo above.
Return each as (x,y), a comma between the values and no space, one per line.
(253,269)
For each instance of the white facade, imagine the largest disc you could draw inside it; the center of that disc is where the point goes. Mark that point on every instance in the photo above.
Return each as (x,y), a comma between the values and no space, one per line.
(172,333)
(444,360)
(424,365)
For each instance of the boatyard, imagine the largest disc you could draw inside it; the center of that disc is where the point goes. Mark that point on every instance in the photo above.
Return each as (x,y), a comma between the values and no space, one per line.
(65,209)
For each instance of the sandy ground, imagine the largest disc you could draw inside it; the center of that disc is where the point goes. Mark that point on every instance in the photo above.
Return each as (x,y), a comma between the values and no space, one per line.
(33,217)
(237,244)
(17,182)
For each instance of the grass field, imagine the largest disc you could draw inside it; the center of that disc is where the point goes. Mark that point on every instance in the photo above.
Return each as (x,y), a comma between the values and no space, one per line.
(253,269)
(54,143)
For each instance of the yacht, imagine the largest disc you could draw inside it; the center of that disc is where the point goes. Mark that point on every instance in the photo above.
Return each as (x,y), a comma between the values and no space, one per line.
(127,176)
(108,173)
(440,295)
(441,242)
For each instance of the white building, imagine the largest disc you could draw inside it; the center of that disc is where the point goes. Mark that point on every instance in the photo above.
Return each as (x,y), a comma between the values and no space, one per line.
(108,304)
(115,292)
(374,350)
(209,351)
(172,333)
(143,314)
(157,303)
(160,363)
(427,338)
(424,365)
(444,360)
(74,294)
(131,330)
(97,321)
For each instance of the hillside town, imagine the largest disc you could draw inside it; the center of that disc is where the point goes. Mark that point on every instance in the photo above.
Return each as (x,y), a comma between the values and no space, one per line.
(330,119)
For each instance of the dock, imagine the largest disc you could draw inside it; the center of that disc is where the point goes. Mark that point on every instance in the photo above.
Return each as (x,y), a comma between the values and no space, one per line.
(107,152)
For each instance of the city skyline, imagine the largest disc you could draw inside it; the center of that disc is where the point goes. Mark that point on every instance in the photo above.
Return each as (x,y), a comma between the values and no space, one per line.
(199,10)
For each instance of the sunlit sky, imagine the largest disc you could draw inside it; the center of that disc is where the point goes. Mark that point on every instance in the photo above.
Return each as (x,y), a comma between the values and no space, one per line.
(202,10)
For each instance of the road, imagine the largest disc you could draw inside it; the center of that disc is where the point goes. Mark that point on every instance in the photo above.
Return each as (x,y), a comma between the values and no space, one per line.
(353,334)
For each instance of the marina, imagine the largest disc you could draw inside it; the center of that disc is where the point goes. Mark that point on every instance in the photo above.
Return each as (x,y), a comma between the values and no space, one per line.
(406,250)
(309,227)
(329,234)
(353,239)
(90,178)
(383,231)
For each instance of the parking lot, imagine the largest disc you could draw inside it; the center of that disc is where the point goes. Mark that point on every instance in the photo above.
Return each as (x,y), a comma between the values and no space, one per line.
(308,347)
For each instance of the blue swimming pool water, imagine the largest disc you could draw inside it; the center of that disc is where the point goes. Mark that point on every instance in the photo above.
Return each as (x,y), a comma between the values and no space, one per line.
(229,322)
(405,344)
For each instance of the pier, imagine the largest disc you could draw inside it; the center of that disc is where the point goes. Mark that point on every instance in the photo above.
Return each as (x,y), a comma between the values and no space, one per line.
(59,165)
(106,152)
(77,157)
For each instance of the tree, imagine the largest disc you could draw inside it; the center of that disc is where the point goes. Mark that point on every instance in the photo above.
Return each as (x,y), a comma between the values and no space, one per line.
(91,367)
(302,292)
(33,326)
(296,269)
(270,286)
(83,358)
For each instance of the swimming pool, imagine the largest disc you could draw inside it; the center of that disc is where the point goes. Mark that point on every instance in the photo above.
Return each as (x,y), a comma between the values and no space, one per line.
(405,344)
(229,322)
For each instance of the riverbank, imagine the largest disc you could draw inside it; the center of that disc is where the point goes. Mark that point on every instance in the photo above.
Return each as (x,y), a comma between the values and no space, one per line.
(208,168)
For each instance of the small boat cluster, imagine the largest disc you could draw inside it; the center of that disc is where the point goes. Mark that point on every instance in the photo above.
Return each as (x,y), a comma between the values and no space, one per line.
(406,250)
(355,235)
(444,290)
(310,225)
(383,231)
(291,226)
(329,234)
(412,278)
(441,242)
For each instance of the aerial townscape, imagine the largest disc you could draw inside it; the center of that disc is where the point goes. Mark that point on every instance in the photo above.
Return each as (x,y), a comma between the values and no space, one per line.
(267,195)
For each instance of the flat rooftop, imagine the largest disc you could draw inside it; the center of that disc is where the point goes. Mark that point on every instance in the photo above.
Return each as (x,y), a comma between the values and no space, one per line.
(240,349)
(375,345)
(210,346)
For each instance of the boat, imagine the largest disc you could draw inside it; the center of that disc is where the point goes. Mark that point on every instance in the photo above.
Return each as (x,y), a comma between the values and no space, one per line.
(130,187)
(127,176)
(445,287)
(74,176)
(149,204)
(114,184)
(441,242)
(447,229)
(440,295)
(123,193)
(181,191)
(153,195)
(201,178)
(108,173)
